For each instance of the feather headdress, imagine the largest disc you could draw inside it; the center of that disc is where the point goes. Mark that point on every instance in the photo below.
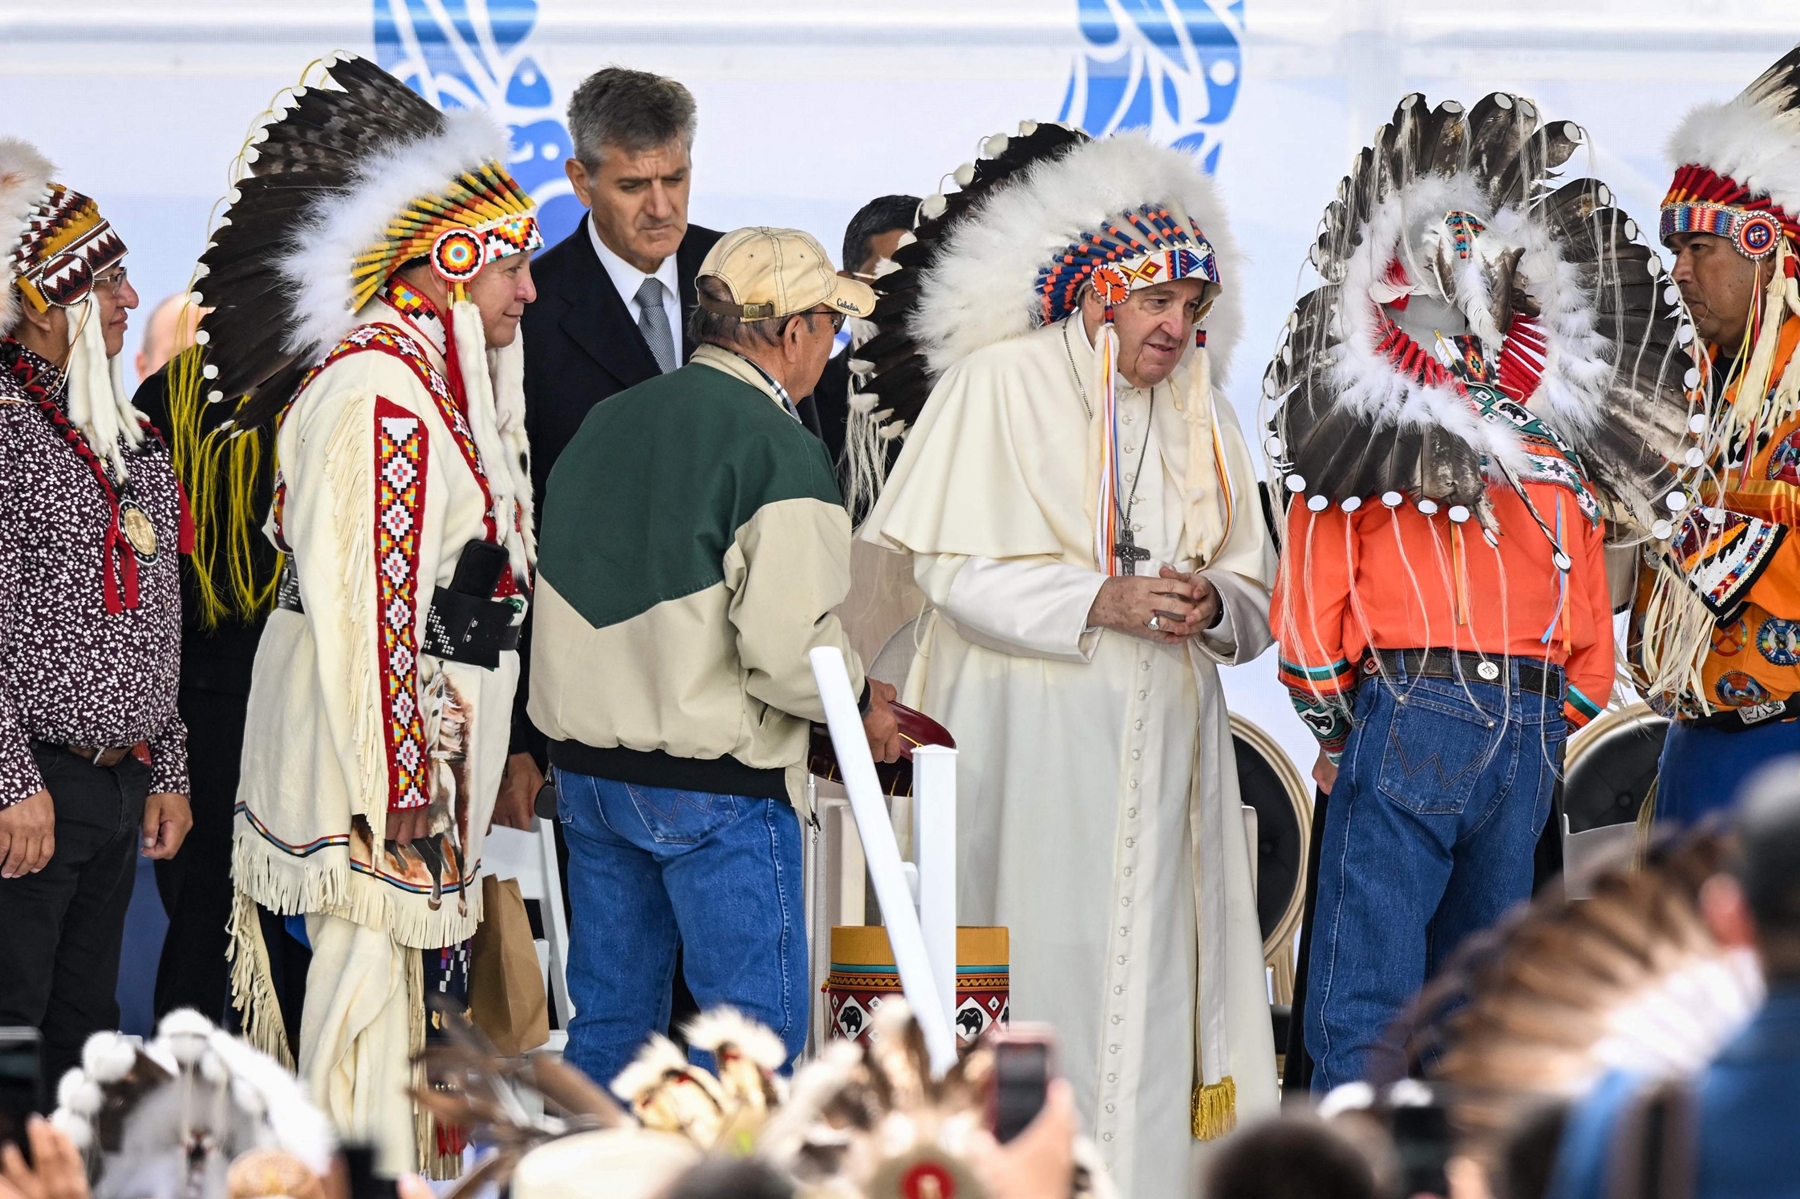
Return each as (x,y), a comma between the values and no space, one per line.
(171,1118)
(857,1121)
(513,1104)
(1629,978)
(1737,165)
(1737,176)
(1044,219)
(1478,319)
(346,182)
(891,374)
(24,183)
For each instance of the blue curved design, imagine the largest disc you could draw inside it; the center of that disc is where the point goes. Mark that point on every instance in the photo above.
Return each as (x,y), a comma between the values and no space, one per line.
(1168,67)
(472,54)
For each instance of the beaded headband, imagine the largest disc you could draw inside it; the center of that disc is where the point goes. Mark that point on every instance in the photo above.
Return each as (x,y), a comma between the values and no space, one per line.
(482,217)
(66,242)
(1137,248)
(1703,201)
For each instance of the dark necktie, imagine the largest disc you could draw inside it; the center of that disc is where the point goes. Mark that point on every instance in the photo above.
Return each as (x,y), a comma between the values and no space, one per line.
(653,322)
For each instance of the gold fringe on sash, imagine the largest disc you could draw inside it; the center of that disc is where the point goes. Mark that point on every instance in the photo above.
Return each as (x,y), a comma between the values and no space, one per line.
(1215,1109)
(252,987)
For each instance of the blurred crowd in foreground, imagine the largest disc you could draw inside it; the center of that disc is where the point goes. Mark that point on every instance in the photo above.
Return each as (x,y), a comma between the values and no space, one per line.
(1644,1041)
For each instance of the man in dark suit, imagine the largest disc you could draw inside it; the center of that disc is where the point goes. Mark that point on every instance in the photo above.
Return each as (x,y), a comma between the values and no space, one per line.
(614,296)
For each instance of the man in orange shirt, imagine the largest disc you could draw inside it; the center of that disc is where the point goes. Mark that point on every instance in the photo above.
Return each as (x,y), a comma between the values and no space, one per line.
(1722,646)
(1458,425)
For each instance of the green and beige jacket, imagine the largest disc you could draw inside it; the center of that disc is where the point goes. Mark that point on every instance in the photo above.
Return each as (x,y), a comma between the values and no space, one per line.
(692,549)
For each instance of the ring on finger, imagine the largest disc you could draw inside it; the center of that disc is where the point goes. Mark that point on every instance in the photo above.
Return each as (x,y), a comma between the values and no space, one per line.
(1156,624)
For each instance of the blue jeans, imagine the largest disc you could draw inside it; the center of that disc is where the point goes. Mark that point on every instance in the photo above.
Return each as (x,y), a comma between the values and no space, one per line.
(651,868)
(1428,838)
(1702,770)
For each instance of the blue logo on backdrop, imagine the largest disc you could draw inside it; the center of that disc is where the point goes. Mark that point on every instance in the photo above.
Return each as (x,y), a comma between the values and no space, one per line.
(1168,67)
(471,54)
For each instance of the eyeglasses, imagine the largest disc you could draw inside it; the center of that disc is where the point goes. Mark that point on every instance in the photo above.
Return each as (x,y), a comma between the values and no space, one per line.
(837,318)
(111,281)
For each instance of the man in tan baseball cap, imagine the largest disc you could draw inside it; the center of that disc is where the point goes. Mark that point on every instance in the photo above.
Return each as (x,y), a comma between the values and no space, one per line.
(770,273)
(692,550)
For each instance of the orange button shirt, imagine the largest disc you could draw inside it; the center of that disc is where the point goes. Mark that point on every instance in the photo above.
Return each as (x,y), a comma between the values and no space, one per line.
(1396,578)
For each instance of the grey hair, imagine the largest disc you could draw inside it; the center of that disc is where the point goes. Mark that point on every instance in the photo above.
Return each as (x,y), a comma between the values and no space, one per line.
(634,111)
(722,329)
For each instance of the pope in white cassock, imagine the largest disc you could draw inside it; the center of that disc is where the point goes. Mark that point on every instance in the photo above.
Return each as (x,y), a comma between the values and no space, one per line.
(1084,520)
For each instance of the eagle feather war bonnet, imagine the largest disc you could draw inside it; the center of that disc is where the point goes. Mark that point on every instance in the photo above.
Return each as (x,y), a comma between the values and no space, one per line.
(1737,176)
(1474,313)
(347,178)
(1040,218)
(346,184)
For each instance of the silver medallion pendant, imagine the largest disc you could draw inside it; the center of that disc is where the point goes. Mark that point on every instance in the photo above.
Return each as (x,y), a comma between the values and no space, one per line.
(139,531)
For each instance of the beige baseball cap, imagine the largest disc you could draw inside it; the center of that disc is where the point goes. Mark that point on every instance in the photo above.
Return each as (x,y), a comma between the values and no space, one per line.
(778,272)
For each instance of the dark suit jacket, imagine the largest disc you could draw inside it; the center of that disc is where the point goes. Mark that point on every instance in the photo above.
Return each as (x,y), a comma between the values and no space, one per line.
(581,344)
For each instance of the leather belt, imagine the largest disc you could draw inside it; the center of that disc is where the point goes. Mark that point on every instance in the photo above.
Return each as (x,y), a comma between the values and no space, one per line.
(104,758)
(1753,716)
(1494,669)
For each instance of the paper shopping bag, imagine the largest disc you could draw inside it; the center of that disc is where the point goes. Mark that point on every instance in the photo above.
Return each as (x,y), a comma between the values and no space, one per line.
(506,983)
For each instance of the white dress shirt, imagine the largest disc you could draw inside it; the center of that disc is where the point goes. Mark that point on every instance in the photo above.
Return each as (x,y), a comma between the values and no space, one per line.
(628,279)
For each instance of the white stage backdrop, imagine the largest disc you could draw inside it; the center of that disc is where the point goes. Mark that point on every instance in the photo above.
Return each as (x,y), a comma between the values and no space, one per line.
(810,107)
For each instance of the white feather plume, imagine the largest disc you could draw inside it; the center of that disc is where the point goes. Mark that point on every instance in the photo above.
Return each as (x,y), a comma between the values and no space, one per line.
(108,1057)
(24,178)
(299,1127)
(983,288)
(317,267)
(657,1058)
(1751,138)
(727,1026)
(1368,383)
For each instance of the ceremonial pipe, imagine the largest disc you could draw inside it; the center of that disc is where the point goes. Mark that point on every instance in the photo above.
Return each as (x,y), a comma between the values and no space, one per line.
(905,936)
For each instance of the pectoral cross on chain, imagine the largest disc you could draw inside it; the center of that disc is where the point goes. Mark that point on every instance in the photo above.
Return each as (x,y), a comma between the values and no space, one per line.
(1128,552)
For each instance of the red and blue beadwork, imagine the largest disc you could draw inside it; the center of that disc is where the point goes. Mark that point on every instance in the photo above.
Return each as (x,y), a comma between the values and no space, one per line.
(1138,248)
(1704,201)
(459,253)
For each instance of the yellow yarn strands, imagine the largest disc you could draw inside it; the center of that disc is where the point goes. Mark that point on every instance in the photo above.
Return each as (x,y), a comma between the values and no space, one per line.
(1214,1109)
(206,461)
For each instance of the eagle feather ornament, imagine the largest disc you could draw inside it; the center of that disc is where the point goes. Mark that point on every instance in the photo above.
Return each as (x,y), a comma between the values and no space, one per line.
(857,1122)
(1473,310)
(196,1112)
(1540,1008)
(349,178)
